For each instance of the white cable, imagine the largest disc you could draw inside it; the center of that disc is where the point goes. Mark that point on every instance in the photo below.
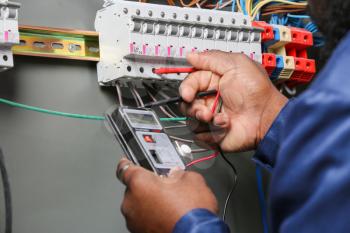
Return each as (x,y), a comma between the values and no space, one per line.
(181,139)
(138,96)
(138,104)
(119,93)
(291,92)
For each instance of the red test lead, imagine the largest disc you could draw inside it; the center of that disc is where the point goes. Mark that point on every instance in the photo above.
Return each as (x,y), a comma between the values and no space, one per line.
(173,70)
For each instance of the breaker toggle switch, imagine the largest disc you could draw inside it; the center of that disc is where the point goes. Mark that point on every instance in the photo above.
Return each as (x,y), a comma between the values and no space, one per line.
(185,31)
(244,36)
(160,29)
(173,30)
(197,32)
(148,28)
(208,33)
(220,34)
(255,37)
(232,35)
(135,26)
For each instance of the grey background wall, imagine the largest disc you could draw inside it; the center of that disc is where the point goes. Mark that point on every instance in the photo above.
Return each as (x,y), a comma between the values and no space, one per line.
(62,170)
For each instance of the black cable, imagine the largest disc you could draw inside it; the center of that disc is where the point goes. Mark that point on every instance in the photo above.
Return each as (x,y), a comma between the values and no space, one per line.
(235,179)
(7,194)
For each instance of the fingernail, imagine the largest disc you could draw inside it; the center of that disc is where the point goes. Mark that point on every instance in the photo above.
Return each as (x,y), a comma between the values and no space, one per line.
(219,124)
(198,114)
(173,170)
(181,90)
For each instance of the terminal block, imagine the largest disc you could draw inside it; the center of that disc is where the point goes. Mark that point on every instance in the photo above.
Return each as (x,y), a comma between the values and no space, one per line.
(135,38)
(268,33)
(305,70)
(269,62)
(282,36)
(285,67)
(9,34)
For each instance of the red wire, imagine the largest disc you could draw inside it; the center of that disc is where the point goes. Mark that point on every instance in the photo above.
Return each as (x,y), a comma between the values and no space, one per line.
(212,156)
(173,70)
(215,154)
(216,101)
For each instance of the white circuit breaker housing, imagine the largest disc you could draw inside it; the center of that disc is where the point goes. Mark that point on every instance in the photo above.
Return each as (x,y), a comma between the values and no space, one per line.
(137,37)
(9,34)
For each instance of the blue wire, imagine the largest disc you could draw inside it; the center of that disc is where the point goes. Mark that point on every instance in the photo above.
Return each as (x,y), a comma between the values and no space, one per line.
(220,2)
(243,6)
(262,201)
(298,16)
(233,5)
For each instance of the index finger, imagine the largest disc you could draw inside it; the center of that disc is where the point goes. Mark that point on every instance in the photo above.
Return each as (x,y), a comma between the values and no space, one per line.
(196,82)
(216,61)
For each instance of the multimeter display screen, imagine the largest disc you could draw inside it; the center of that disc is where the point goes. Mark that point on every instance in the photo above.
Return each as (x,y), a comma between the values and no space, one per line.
(144,119)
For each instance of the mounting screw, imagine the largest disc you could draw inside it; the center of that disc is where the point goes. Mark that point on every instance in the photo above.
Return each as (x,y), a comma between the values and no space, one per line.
(125,10)
(138,12)
(186,16)
(150,13)
(162,14)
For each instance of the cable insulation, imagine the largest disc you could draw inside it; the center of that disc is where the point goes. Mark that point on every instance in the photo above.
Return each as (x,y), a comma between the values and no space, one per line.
(70,115)
(7,194)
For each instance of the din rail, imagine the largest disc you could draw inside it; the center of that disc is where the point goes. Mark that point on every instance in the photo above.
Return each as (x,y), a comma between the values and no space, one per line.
(58,43)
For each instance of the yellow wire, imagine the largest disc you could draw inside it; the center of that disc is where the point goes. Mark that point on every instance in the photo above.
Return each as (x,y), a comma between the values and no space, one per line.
(239,6)
(247,6)
(258,7)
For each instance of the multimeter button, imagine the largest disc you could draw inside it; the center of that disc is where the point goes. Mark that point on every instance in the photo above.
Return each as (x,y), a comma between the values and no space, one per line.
(148,138)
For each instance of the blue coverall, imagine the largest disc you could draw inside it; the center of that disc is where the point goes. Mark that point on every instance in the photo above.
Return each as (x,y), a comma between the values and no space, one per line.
(308,151)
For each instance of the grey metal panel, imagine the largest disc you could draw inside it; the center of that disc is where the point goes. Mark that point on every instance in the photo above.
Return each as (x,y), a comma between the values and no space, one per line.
(62,171)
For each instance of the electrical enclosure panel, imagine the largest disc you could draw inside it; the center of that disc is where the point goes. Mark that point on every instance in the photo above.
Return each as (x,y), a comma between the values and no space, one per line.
(9,34)
(137,37)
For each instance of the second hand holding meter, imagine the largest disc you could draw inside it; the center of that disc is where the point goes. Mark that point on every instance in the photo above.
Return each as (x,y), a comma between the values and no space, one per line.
(143,139)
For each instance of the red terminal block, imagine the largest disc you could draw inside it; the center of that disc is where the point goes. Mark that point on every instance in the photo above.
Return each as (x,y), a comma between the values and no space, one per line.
(301,39)
(267,34)
(293,52)
(305,70)
(269,62)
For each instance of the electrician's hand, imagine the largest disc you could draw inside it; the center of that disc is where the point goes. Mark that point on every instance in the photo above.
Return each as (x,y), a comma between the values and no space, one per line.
(250,101)
(154,204)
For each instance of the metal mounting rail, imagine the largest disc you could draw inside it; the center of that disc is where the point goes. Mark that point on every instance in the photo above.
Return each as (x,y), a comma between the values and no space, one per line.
(58,43)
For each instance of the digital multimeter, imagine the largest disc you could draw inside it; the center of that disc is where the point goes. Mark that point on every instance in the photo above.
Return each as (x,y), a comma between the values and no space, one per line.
(143,139)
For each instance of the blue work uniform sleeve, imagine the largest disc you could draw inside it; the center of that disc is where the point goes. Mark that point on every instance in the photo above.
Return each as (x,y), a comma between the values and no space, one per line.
(309,188)
(308,149)
(200,221)
(268,148)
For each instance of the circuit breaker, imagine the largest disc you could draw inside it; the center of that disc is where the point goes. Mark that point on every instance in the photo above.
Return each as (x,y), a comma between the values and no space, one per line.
(9,34)
(135,38)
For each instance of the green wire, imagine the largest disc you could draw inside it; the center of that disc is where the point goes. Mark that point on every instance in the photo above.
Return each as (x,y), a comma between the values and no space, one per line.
(50,112)
(174,119)
(71,115)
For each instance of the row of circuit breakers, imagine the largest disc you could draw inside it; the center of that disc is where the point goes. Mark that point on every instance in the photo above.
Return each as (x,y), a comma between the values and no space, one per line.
(135,38)
(9,34)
